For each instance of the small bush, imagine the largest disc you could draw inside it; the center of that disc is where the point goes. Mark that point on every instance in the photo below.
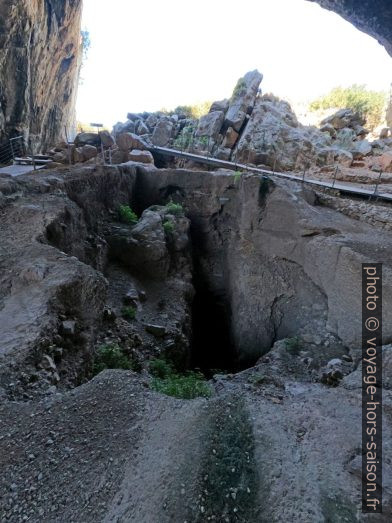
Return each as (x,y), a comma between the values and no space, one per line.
(237,176)
(293,345)
(110,356)
(129,313)
(127,215)
(174,208)
(168,227)
(239,89)
(188,386)
(160,368)
(193,111)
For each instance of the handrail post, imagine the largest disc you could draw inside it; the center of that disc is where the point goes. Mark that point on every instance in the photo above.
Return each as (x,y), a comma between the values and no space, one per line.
(334,176)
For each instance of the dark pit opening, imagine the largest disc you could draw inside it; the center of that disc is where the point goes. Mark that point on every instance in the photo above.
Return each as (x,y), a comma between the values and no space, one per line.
(212,350)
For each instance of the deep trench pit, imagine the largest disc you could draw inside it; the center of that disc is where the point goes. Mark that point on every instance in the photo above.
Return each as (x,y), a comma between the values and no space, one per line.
(211,347)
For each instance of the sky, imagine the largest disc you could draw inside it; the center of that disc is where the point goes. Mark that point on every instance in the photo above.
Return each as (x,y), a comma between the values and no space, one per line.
(156,54)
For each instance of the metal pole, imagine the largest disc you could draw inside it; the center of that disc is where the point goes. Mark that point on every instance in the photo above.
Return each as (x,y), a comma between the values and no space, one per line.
(32,158)
(68,145)
(334,176)
(377,183)
(103,154)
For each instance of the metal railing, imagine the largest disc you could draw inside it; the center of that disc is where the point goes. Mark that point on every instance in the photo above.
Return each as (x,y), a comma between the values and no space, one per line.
(12,149)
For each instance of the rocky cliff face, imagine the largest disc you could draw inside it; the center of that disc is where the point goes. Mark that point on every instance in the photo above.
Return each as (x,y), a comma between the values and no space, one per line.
(40,51)
(371,16)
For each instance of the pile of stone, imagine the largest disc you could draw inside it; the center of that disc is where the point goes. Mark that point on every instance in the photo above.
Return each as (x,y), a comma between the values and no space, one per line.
(248,128)
(345,127)
(90,148)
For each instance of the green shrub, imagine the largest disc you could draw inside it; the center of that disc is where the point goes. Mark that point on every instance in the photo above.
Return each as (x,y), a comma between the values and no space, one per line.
(195,111)
(293,345)
(110,356)
(237,176)
(129,313)
(239,89)
(174,208)
(160,368)
(127,215)
(188,386)
(168,227)
(369,104)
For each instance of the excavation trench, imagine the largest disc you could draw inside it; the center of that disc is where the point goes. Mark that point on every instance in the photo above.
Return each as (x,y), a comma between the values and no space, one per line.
(212,288)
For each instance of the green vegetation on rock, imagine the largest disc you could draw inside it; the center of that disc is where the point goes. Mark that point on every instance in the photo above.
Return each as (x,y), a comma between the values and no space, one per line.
(129,313)
(369,104)
(127,215)
(174,208)
(167,381)
(111,356)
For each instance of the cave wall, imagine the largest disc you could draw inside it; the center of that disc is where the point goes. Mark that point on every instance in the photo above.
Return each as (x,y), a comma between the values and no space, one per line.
(280,262)
(373,17)
(40,57)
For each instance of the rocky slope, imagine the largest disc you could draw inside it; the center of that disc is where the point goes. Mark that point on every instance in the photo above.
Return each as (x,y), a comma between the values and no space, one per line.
(260,130)
(40,53)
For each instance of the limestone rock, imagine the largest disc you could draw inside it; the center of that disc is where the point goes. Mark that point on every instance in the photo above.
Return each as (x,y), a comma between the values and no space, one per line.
(210,124)
(162,133)
(140,156)
(220,105)
(344,118)
(128,141)
(39,67)
(343,157)
(144,247)
(82,139)
(386,162)
(231,138)
(328,128)
(107,139)
(127,127)
(361,148)
(89,151)
(157,330)
(243,99)
(142,128)
(274,137)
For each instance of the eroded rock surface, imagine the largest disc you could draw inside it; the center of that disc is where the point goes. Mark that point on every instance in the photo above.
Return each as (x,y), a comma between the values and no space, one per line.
(280,262)
(40,53)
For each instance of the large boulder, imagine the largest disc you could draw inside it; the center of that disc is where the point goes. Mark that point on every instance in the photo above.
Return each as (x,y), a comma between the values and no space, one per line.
(360,149)
(274,137)
(107,139)
(87,139)
(220,105)
(243,99)
(210,124)
(140,156)
(385,161)
(128,141)
(127,127)
(344,118)
(162,133)
(89,151)
(150,247)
